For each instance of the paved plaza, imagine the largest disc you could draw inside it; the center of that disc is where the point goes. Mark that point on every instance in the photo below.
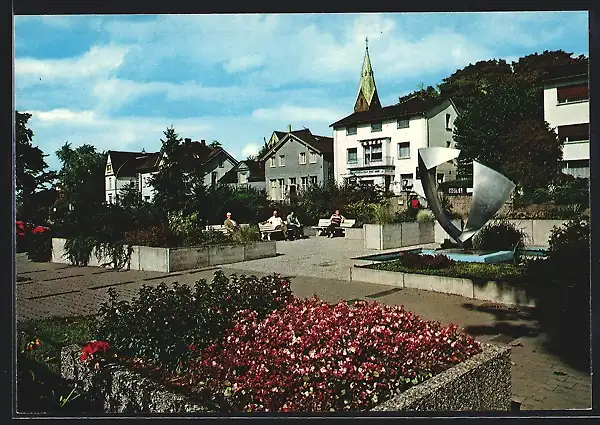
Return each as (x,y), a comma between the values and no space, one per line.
(541,380)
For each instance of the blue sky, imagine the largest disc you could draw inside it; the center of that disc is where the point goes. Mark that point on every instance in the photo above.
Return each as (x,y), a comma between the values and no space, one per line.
(117,81)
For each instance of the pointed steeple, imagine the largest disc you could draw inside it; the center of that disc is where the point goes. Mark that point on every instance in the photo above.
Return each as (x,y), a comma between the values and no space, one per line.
(367,98)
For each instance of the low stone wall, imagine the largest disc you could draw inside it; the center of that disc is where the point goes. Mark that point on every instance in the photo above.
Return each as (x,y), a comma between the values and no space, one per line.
(537,232)
(397,235)
(177,259)
(498,292)
(481,383)
(354,233)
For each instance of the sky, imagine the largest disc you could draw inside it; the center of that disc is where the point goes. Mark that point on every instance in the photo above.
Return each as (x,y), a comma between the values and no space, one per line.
(118,81)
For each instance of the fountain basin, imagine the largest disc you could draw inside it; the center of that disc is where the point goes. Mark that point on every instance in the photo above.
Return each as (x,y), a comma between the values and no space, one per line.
(456,254)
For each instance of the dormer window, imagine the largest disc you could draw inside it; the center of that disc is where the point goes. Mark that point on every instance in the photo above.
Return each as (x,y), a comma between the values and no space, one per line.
(376,127)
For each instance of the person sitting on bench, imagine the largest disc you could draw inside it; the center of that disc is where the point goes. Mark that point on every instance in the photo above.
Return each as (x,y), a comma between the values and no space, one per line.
(294,228)
(230,224)
(277,223)
(334,221)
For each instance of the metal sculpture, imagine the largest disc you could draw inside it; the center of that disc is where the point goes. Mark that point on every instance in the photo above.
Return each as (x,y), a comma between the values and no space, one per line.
(490,191)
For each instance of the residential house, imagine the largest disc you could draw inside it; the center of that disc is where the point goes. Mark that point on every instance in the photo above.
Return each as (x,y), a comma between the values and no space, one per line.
(298,159)
(378,145)
(137,168)
(247,173)
(567,110)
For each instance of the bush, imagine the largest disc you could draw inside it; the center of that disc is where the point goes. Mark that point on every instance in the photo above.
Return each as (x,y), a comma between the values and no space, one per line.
(247,234)
(425,216)
(500,236)
(361,211)
(312,356)
(40,244)
(569,248)
(165,326)
(424,262)
(153,236)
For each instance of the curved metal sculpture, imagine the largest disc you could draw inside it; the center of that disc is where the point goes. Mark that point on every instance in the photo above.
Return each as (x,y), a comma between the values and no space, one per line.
(490,191)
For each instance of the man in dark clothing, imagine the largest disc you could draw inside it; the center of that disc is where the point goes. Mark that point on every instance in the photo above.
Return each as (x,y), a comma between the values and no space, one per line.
(334,221)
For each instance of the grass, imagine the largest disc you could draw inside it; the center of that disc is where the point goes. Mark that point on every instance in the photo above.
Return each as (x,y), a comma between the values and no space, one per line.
(497,272)
(39,384)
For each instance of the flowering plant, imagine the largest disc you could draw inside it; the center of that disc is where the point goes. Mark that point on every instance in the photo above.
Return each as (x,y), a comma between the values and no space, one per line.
(418,261)
(96,354)
(312,356)
(36,240)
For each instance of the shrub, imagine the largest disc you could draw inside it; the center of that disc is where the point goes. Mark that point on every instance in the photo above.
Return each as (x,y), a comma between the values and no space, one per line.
(165,325)
(40,244)
(569,248)
(500,236)
(418,261)
(78,249)
(313,356)
(153,236)
(247,234)
(361,211)
(425,216)
(382,214)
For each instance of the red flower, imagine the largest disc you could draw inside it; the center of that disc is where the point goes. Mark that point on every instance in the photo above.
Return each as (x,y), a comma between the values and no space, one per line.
(93,347)
(192,347)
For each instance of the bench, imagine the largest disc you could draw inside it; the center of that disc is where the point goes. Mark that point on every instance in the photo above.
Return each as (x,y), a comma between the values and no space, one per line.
(324,223)
(221,227)
(267,229)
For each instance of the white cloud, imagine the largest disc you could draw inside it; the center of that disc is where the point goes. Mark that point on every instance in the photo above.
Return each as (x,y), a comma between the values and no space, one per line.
(250,149)
(243,63)
(61,115)
(297,114)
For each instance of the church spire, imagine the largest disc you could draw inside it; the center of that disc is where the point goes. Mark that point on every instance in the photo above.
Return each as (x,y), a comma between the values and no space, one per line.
(367,98)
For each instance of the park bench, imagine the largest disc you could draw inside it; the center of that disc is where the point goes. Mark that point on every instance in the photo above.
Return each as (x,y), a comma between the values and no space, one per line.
(221,227)
(267,229)
(323,223)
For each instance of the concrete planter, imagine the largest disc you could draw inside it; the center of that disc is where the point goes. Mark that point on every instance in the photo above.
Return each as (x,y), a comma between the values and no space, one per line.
(177,259)
(498,292)
(481,383)
(397,235)
(354,233)
(537,232)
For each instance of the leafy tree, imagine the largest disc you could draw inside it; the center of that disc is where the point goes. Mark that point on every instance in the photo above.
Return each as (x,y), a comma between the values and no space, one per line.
(535,68)
(129,196)
(428,92)
(263,150)
(533,154)
(81,178)
(31,175)
(480,130)
(215,144)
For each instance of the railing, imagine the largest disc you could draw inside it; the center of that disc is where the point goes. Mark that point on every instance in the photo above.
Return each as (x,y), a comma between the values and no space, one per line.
(385,161)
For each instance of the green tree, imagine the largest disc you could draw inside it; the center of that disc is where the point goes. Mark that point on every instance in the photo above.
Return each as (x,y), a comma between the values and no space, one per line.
(480,130)
(533,155)
(215,144)
(31,175)
(428,92)
(81,178)
(129,196)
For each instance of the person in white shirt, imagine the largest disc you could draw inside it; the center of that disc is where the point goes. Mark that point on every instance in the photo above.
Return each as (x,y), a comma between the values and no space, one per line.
(277,222)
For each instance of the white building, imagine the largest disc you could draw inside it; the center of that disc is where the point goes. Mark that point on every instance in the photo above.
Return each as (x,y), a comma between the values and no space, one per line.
(125,168)
(567,110)
(378,145)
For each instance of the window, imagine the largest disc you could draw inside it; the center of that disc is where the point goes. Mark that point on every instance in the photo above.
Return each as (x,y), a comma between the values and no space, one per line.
(404,150)
(272,162)
(375,127)
(407,181)
(281,160)
(221,163)
(350,131)
(292,181)
(578,168)
(373,153)
(574,133)
(302,158)
(448,122)
(213,178)
(110,198)
(243,178)
(573,93)
(303,182)
(403,123)
(281,188)
(368,182)
(273,189)
(352,156)
(440,177)
(448,143)
(417,174)
(108,168)
(313,180)
(312,157)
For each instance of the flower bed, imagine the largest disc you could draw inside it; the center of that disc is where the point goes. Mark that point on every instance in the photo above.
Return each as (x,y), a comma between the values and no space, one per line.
(35,240)
(267,352)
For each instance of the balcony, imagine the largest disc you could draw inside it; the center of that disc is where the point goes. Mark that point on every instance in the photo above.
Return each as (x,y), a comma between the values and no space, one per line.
(386,161)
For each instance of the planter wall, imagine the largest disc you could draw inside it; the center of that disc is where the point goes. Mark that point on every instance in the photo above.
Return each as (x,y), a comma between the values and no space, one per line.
(177,259)
(537,232)
(481,383)
(397,235)
(493,291)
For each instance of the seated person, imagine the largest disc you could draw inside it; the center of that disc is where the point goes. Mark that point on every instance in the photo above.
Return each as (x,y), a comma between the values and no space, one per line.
(295,229)
(277,222)
(334,221)
(230,224)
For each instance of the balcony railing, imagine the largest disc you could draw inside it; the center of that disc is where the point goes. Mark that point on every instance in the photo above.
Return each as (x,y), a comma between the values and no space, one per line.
(386,161)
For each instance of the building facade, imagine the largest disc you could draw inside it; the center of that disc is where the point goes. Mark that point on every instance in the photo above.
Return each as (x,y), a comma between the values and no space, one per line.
(296,161)
(248,173)
(567,110)
(378,145)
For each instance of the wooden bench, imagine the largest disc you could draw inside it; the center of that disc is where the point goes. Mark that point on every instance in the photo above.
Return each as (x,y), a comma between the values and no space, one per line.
(267,229)
(323,223)
(221,227)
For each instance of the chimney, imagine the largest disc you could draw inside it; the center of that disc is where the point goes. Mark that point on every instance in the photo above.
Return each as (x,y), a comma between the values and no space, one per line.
(188,140)
(203,142)
(289,128)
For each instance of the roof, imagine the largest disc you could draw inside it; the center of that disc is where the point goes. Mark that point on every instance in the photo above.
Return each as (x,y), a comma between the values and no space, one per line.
(322,144)
(367,97)
(256,168)
(410,107)
(576,69)
(202,153)
(128,164)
